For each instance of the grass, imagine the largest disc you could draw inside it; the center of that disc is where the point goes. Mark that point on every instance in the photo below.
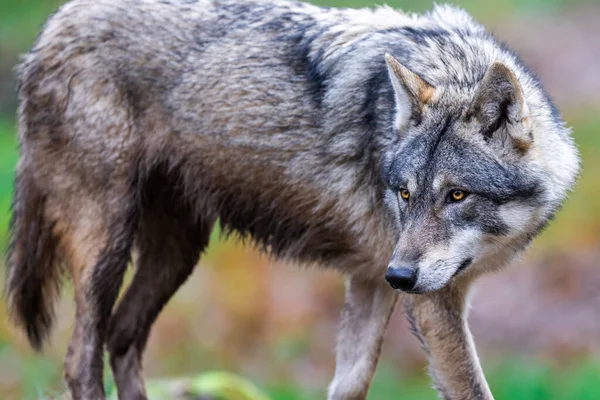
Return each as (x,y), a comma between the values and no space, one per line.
(8,160)
(537,381)
(20,20)
(521,379)
(509,380)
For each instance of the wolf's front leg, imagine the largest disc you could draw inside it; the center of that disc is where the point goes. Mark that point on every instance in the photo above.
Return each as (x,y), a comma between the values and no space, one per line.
(438,320)
(364,320)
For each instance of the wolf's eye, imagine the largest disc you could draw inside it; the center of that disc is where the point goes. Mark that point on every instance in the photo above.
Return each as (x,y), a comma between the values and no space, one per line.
(405,194)
(457,195)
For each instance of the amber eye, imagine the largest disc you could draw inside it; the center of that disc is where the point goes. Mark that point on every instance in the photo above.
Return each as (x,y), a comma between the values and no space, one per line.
(404,193)
(457,195)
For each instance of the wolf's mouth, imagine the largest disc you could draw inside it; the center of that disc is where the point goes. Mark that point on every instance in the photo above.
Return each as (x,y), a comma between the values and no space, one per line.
(463,266)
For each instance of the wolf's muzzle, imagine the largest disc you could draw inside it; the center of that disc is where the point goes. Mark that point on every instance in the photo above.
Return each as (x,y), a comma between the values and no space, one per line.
(402,278)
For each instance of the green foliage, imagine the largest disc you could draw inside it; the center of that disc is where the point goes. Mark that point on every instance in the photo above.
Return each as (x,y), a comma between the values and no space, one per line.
(514,379)
(391,383)
(483,9)
(211,385)
(8,160)
(518,379)
(20,20)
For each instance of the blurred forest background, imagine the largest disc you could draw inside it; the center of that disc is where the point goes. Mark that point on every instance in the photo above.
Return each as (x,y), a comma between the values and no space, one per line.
(537,325)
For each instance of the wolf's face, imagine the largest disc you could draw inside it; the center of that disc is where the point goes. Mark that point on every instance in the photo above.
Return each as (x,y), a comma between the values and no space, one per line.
(461,187)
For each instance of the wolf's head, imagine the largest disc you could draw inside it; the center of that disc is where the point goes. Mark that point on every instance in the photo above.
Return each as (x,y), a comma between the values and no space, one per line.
(475,175)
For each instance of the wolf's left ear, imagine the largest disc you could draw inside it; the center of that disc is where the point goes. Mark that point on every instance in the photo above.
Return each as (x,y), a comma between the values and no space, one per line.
(499,103)
(412,92)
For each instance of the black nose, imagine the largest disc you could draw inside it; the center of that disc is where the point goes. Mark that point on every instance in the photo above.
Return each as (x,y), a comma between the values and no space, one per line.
(403,278)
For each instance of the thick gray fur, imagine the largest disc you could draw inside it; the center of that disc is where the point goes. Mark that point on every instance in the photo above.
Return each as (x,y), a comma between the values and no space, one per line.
(143,122)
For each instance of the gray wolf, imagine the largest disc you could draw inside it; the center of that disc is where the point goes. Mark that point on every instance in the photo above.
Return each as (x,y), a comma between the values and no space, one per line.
(142,122)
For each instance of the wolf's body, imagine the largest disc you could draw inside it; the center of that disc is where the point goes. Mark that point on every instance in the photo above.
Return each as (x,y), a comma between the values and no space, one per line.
(143,122)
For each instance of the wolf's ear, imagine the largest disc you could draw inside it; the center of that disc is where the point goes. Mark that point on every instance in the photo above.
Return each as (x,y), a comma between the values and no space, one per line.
(412,92)
(499,103)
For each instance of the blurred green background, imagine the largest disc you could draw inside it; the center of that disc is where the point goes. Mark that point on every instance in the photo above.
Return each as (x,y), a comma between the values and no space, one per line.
(537,325)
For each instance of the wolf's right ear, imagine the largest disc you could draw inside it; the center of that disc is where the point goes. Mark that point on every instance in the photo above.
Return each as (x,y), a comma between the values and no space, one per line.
(412,92)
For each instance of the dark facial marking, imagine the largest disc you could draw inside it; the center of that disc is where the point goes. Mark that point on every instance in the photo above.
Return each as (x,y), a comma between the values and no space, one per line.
(463,266)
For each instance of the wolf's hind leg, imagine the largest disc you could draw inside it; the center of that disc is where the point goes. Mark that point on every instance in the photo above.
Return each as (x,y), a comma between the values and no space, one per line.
(439,321)
(97,241)
(169,243)
(364,320)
